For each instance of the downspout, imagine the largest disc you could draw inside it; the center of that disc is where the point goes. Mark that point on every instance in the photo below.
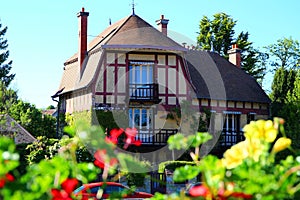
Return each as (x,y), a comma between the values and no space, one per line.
(58,108)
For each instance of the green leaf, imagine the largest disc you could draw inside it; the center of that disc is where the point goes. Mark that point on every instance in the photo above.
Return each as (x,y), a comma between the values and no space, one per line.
(177,141)
(130,164)
(186,173)
(198,139)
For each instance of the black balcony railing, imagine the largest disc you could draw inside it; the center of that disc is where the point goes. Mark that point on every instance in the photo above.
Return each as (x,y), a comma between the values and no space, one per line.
(230,137)
(156,137)
(144,92)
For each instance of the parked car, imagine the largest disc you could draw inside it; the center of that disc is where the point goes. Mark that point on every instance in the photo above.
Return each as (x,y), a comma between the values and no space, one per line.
(106,190)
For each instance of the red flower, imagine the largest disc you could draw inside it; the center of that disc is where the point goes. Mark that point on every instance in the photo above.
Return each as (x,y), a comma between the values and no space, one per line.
(199,191)
(67,188)
(101,159)
(6,178)
(60,195)
(130,134)
(114,134)
(241,195)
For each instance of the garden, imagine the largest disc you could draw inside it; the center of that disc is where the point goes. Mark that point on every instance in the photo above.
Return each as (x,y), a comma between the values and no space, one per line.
(251,169)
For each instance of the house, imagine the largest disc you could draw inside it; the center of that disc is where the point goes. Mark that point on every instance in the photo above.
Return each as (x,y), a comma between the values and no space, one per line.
(51,112)
(134,68)
(10,128)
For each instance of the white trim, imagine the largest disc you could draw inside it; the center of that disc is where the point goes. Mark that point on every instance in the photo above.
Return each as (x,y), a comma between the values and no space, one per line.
(232,112)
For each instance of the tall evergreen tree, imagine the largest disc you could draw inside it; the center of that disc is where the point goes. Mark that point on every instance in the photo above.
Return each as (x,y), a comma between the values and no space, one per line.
(5,65)
(7,98)
(283,84)
(218,35)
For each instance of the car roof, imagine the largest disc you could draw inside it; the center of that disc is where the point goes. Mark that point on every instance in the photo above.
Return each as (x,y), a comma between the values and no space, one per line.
(96,184)
(103,183)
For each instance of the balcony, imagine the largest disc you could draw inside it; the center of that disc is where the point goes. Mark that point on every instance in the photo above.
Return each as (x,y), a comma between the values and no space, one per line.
(150,138)
(140,93)
(158,137)
(227,139)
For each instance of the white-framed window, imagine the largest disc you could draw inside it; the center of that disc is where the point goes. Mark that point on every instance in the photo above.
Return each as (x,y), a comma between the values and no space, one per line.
(141,72)
(142,120)
(141,79)
(231,133)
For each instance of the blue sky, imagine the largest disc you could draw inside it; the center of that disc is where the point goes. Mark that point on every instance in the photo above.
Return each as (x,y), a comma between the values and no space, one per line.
(43,34)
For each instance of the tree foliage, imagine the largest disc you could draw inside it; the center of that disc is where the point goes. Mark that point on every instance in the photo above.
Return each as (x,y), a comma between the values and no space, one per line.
(286,53)
(286,101)
(283,84)
(5,65)
(216,34)
(33,120)
(7,98)
(219,34)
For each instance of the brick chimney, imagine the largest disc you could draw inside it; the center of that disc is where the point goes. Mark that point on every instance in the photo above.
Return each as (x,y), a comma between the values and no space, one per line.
(82,28)
(163,25)
(235,55)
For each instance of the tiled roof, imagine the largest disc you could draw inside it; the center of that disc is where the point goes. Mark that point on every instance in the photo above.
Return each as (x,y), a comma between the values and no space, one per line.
(137,32)
(216,78)
(212,75)
(11,128)
(70,77)
(131,32)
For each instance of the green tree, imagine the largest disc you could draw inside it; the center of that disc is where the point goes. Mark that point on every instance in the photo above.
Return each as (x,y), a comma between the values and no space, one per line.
(283,84)
(32,119)
(5,65)
(218,34)
(7,98)
(294,96)
(286,53)
(50,107)
(285,95)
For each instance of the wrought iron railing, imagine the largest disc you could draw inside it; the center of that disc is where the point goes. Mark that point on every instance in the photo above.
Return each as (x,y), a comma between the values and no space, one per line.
(142,92)
(156,137)
(230,137)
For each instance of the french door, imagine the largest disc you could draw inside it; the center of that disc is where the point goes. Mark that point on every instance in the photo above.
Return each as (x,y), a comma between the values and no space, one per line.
(141,119)
(231,129)
(141,79)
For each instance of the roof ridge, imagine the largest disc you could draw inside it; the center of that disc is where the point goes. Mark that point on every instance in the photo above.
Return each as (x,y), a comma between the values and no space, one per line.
(114,30)
(124,22)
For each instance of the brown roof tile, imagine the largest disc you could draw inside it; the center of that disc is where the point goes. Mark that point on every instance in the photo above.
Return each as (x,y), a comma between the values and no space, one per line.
(13,129)
(129,32)
(216,78)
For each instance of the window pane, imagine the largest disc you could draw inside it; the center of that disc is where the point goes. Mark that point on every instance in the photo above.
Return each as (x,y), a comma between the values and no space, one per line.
(130,118)
(136,118)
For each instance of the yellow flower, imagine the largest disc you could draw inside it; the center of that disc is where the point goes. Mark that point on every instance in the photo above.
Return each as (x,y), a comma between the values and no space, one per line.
(281,144)
(261,129)
(255,147)
(235,155)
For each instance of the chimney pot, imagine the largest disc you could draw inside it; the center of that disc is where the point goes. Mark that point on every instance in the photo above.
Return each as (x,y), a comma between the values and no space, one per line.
(235,55)
(163,25)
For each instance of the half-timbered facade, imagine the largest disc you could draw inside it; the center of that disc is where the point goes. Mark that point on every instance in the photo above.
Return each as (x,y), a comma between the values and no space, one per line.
(134,67)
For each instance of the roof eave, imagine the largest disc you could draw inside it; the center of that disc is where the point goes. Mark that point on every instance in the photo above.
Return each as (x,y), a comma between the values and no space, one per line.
(137,46)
